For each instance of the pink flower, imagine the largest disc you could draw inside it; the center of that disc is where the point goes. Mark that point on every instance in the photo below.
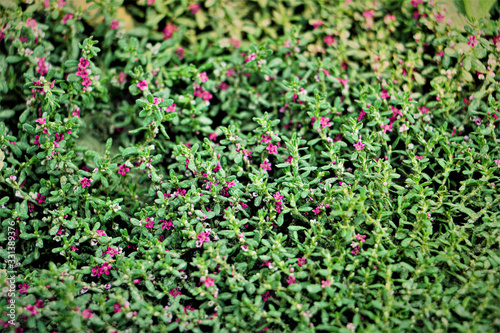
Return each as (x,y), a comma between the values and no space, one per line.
(301,261)
(32,309)
(472,41)
(194,8)
(203,77)
(278,196)
(291,279)
(251,57)
(31,23)
(117,307)
(169,30)
(87,313)
(223,86)
(180,52)
(369,14)
(266,296)
(361,238)
(212,136)
(325,122)
(386,127)
(171,108)
(266,165)
(202,237)
(42,67)
(85,182)
(317,210)
(423,109)
(272,149)
(325,283)
(41,121)
(289,159)
(101,232)
(244,248)
(142,85)
(86,82)
(23,288)
(342,81)
(419,157)
(209,282)
(384,94)
(317,24)
(265,138)
(329,40)
(415,3)
(66,18)
(439,17)
(122,77)
(114,25)
(122,169)
(361,115)
(150,2)
(149,222)
(359,145)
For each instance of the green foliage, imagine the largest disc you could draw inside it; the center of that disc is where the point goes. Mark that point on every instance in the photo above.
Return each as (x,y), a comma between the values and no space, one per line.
(249,165)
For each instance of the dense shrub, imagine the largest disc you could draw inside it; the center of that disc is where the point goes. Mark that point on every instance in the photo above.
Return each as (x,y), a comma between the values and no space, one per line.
(249,166)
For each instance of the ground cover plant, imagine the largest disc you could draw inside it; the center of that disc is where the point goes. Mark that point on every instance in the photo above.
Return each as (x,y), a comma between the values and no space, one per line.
(249,166)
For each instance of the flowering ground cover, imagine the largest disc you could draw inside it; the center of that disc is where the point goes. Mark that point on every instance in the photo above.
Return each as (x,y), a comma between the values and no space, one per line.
(249,166)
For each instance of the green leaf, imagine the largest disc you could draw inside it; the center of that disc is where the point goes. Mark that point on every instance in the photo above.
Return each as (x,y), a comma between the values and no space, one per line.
(7,114)
(313,288)
(130,151)
(478,8)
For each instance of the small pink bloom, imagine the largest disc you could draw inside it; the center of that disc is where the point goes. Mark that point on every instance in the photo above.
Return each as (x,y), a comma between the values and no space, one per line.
(266,165)
(317,24)
(472,41)
(194,8)
(369,14)
(209,282)
(87,313)
(301,261)
(325,283)
(169,30)
(114,25)
(203,77)
(66,18)
(386,127)
(149,222)
(31,23)
(291,279)
(180,52)
(359,145)
(272,149)
(329,40)
(85,182)
(142,85)
(325,122)
(171,108)
(361,115)
(203,237)
(122,77)
(41,121)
